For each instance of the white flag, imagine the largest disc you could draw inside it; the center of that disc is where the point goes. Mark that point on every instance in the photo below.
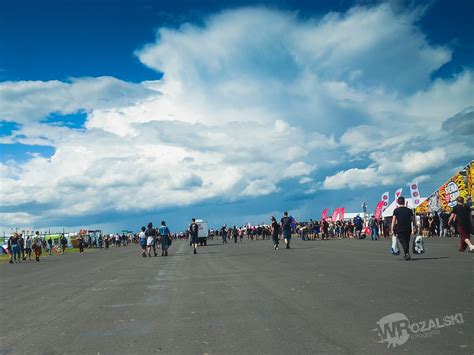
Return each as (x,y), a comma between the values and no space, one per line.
(385,198)
(415,194)
(398,193)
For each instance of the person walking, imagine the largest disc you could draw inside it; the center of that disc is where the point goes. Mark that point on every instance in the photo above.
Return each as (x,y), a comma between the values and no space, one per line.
(461,215)
(80,242)
(358,224)
(275,231)
(374,230)
(50,246)
(224,232)
(142,241)
(37,246)
(150,239)
(193,233)
(10,248)
(235,233)
(165,236)
(28,244)
(15,248)
(21,245)
(286,229)
(63,242)
(402,225)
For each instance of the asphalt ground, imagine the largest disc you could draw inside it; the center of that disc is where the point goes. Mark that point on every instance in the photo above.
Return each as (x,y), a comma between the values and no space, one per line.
(318,297)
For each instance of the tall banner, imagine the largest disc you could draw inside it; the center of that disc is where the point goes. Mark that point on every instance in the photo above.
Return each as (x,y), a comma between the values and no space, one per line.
(415,194)
(341,214)
(444,199)
(398,193)
(324,215)
(335,214)
(385,198)
(378,210)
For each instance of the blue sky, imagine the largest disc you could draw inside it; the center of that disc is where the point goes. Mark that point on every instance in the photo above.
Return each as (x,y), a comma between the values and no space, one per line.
(114,113)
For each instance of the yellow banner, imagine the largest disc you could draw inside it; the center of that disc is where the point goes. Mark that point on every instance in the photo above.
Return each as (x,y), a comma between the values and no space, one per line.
(444,199)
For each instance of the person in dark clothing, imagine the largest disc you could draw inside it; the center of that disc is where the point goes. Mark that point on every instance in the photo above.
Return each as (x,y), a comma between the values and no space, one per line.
(286,229)
(325,227)
(461,214)
(275,233)
(235,233)
(436,221)
(193,232)
(224,232)
(80,243)
(444,225)
(402,225)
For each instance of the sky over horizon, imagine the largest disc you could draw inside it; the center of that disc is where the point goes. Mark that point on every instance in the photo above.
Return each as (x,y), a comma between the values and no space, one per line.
(114,114)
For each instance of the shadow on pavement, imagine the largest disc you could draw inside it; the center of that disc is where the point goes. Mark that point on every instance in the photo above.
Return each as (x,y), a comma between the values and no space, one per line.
(441,257)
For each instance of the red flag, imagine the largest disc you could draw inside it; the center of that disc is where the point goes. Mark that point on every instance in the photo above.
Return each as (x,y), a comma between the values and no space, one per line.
(335,214)
(378,210)
(341,214)
(324,214)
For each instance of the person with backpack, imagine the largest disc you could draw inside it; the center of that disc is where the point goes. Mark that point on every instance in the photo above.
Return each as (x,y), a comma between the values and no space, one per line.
(358,224)
(286,229)
(166,240)
(193,233)
(275,231)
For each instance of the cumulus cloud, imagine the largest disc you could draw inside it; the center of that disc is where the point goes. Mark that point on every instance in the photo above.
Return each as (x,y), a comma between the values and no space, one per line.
(249,100)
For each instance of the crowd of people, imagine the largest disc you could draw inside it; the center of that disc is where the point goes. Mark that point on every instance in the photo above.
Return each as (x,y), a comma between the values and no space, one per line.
(150,239)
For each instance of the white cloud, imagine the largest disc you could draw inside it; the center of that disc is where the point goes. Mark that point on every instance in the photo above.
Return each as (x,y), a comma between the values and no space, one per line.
(30,101)
(250,99)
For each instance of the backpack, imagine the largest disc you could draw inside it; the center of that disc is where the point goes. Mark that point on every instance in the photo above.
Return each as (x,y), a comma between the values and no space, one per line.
(194,228)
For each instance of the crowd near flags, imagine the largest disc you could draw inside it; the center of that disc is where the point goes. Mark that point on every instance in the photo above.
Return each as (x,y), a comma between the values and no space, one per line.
(415,194)
(398,193)
(385,198)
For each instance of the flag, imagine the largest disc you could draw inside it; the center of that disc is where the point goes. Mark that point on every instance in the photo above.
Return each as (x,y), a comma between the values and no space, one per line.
(335,214)
(398,193)
(341,214)
(385,198)
(324,215)
(415,194)
(378,210)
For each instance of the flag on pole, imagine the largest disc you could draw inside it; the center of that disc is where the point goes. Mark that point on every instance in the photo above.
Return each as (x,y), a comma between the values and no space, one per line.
(378,210)
(324,215)
(398,193)
(335,214)
(341,214)
(415,194)
(385,198)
